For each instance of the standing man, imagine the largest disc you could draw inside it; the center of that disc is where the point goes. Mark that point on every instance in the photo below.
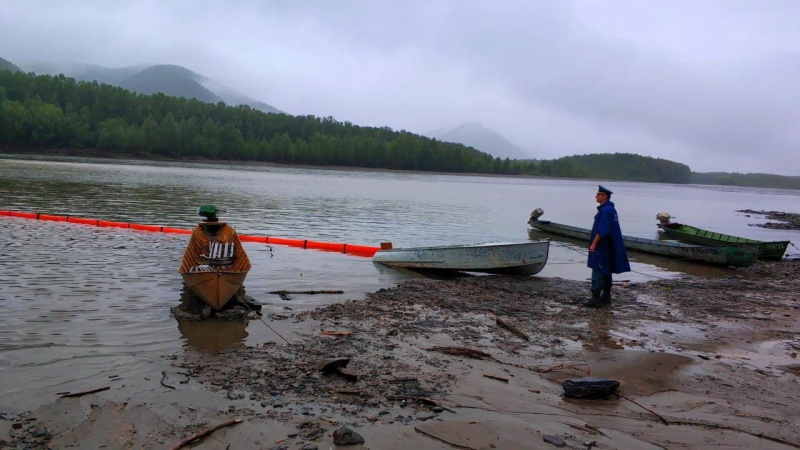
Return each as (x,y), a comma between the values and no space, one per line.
(606,249)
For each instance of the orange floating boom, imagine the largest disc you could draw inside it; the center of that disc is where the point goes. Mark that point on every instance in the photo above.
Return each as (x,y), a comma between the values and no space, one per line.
(348,249)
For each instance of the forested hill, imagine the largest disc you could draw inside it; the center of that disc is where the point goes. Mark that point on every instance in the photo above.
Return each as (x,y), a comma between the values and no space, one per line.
(746,179)
(56,112)
(8,65)
(605,166)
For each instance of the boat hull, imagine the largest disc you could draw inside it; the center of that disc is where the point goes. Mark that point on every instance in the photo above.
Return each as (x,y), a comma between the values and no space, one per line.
(766,250)
(214,281)
(741,255)
(214,288)
(526,258)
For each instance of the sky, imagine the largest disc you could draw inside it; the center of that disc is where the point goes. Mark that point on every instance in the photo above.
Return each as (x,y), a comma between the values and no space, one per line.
(711,84)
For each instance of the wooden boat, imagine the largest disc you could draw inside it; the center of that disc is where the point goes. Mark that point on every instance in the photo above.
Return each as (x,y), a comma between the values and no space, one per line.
(525,258)
(214,264)
(766,250)
(740,255)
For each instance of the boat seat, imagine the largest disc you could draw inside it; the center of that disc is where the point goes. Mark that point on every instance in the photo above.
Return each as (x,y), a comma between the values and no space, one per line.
(220,253)
(202,268)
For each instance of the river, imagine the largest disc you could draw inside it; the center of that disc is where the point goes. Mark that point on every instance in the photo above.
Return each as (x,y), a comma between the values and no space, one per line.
(82,305)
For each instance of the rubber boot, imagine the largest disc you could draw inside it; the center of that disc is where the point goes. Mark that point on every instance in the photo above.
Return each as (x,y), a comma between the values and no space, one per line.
(605,293)
(595,301)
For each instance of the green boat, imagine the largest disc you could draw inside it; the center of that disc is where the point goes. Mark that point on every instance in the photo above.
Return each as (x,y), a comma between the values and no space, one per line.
(735,255)
(766,250)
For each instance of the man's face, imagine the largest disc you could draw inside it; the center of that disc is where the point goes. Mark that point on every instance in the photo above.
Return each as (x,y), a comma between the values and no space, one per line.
(601,197)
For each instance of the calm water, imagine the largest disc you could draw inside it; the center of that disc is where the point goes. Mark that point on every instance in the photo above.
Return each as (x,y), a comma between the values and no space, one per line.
(82,304)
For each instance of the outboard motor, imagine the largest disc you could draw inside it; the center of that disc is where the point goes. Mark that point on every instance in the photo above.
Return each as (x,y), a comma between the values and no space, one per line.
(536,213)
(663,217)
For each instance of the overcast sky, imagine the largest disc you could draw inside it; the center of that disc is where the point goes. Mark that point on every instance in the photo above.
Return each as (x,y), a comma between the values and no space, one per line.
(710,83)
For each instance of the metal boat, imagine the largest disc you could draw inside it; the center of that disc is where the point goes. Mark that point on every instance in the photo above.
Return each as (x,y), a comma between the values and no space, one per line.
(738,255)
(525,258)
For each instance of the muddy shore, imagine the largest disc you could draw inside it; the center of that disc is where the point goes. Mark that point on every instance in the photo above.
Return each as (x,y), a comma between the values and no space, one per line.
(702,363)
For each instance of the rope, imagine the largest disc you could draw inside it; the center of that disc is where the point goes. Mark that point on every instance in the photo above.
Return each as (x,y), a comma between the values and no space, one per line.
(265,323)
(584,252)
(569,247)
(649,275)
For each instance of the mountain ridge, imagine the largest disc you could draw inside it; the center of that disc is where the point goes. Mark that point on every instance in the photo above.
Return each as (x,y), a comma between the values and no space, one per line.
(176,81)
(481,138)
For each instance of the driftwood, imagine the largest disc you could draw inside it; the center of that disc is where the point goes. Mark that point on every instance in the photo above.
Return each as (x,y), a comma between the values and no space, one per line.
(495,377)
(284,295)
(204,433)
(79,394)
(512,328)
(306,292)
(461,351)
(427,401)
(345,392)
(335,333)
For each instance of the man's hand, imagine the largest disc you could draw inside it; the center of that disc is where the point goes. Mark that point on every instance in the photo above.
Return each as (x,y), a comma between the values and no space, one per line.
(594,243)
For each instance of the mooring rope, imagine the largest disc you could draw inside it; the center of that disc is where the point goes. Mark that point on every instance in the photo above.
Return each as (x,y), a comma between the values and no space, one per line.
(586,252)
(265,323)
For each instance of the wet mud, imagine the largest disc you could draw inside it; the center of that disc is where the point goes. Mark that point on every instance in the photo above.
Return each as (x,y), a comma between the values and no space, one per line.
(478,362)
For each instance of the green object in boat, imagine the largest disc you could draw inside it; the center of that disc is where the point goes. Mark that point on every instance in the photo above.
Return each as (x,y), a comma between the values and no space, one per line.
(209,212)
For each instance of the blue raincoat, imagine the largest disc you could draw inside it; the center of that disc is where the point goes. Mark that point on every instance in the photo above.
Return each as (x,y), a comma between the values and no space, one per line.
(609,256)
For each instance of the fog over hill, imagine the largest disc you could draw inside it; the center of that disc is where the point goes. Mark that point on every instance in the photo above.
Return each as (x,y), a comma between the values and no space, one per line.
(481,138)
(169,79)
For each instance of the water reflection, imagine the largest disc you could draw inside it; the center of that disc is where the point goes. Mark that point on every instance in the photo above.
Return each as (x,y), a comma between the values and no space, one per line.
(213,334)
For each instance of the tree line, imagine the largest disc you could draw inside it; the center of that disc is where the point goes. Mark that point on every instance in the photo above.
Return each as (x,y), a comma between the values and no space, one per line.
(57,112)
(747,179)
